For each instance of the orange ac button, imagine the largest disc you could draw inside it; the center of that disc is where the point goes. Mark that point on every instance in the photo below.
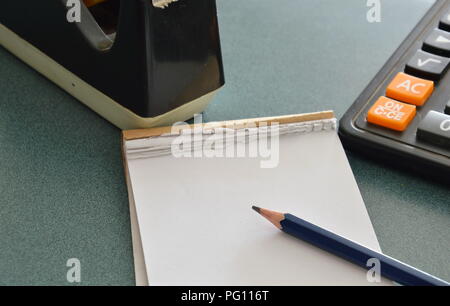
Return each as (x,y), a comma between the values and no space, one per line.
(391,114)
(409,89)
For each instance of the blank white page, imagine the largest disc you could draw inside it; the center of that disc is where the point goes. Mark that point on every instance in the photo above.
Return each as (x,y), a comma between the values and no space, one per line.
(197,226)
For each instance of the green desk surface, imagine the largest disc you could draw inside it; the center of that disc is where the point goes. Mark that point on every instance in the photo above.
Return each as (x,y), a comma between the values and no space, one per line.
(62,187)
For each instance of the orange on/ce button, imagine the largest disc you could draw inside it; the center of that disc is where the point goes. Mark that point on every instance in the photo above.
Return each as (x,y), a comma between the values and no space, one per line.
(391,114)
(409,89)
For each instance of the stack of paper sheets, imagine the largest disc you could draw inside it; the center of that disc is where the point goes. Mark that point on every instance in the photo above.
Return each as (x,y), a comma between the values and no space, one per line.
(193,223)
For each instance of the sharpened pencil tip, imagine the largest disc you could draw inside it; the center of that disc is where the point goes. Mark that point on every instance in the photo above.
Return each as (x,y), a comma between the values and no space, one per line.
(257,209)
(274,217)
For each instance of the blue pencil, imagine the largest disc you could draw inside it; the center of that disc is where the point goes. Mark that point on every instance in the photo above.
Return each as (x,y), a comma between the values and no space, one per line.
(391,268)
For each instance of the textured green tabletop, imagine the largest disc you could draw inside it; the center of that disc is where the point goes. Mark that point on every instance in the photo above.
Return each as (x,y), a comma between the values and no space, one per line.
(62,188)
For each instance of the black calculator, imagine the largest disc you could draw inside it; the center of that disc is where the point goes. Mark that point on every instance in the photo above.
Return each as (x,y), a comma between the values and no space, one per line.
(403,115)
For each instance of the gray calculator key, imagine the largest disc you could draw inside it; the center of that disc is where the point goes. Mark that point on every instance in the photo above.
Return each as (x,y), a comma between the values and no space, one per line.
(438,42)
(427,66)
(444,23)
(435,128)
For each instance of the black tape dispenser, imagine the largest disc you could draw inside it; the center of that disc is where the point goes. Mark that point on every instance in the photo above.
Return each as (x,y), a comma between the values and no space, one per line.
(138,63)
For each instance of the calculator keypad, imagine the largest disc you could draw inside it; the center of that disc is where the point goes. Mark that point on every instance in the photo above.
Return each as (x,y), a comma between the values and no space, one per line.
(408,93)
(402,115)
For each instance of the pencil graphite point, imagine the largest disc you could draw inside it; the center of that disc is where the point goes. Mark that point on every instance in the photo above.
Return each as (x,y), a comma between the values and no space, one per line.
(257,209)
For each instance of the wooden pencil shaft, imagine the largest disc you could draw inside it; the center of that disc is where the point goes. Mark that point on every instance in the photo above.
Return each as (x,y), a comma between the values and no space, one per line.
(356,253)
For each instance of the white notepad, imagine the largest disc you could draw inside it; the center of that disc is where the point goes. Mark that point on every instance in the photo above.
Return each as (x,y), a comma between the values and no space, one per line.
(192,221)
